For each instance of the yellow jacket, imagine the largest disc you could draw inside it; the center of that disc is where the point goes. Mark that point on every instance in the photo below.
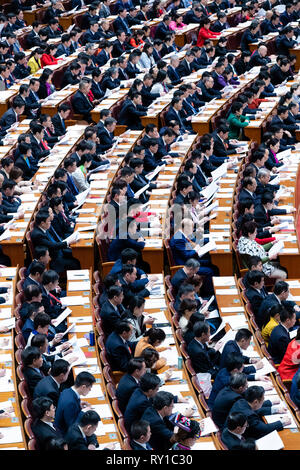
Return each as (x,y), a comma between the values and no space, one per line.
(267,330)
(34,64)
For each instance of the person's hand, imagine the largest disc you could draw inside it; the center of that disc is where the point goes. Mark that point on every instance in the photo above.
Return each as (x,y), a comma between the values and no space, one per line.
(72,359)
(274,256)
(275,220)
(286,420)
(85,404)
(281,409)
(274,229)
(168,375)
(265,378)
(6,414)
(259,365)
(288,133)
(275,400)
(218,345)
(66,352)
(152,277)
(91,447)
(140,239)
(289,210)
(254,360)
(149,320)
(2,372)
(57,338)
(20,215)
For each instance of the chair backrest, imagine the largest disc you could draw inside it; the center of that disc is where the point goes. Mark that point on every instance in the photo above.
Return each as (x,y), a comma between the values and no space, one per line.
(103,358)
(116,409)
(122,429)
(27,427)
(32,445)
(30,245)
(184,351)
(26,407)
(24,390)
(111,390)
(220,442)
(21,377)
(126,444)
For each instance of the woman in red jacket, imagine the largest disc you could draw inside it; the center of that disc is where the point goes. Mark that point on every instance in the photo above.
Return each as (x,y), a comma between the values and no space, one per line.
(291,360)
(205,32)
(48,57)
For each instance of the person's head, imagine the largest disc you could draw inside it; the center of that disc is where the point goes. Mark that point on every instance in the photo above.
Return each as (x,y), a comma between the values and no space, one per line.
(149,384)
(32,357)
(163,402)
(238,382)
(56,444)
(129,273)
(34,308)
(155,336)
(115,295)
(202,331)
(187,308)
(246,207)
(237,108)
(70,164)
(237,422)
(281,290)
(88,422)
(263,176)
(191,267)
(137,306)
(256,279)
(60,370)
(136,367)
(255,396)
(41,323)
(243,338)
(140,431)
(33,293)
(43,408)
(287,318)
(124,329)
(50,280)
(249,230)
(186,291)
(274,312)
(234,363)
(84,383)
(36,270)
(188,430)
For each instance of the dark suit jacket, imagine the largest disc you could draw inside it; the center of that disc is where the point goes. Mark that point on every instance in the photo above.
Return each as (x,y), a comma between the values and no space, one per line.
(203,359)
(284,44)
(256,426)
(257,60)
(119,25)
(278,343)
(81,104)
(119,49)
(233,347)
(32,378)
(59,126)
(97,90)
(207,94)
(125,389)
(110,317)
(32,40)
(47,388)
(130,115)
(255,298)
(219,148)
(68,410)
(118,352)
(137,446)
(173,75)
(184,68)
(27,172)
(106,139)
(231,441)
(102,58)
(161,430)
(162,31)
(247,39)
(43,433)
(245,195)
(8,118)
(69,79)
(263,314)
(76,441)
(147,96)
(132,70)
(39,238)
(138,403)
(223,404)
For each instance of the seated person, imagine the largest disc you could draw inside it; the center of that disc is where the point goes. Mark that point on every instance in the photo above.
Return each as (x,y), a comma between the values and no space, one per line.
(240,343)
(32,361)
(49,386)
(130,381)
(232,434)
(81,435)
(274,319)
(118,348)
(112,310)
(69,404)
(256,291)
(153,338)
(140,434)
(43,427)
(280,336)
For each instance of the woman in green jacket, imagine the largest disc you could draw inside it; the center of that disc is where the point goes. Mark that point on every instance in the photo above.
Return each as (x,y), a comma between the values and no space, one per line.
(236,120)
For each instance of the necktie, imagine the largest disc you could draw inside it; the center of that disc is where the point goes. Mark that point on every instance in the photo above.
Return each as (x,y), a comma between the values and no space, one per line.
(63,124)
(55,234)
(27,161)
(50,237)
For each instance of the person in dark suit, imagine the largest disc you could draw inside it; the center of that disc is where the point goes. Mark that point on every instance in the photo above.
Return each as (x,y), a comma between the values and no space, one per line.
(227,397)
(286,42)
(38,147)
(58,120)
(204,359)
(232,435)
(260,57)
(172,71)
(96,87)
(295,389)
(279,73)
(250,36)
(120,45)
(131,112)
(189,270)
(147,96)
(140,434)
(249,186)
(256,292)
(81,436)
(119,350)
(32,361)
(81,102)
(141,398)
(127,278)
(49,386)
(11,116)
(279,296)
(112,310)
(186,65)
(71,75)
(253,406)
(61,256)
(33,39)
(193,16)
(222,147)
(110,79)
(280,337)
(120,23)
(130,382)
(162,429)
(64,47)
(106,134)
(163,28)
(43,427)
(69,405)
(241,341)
(207,91)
